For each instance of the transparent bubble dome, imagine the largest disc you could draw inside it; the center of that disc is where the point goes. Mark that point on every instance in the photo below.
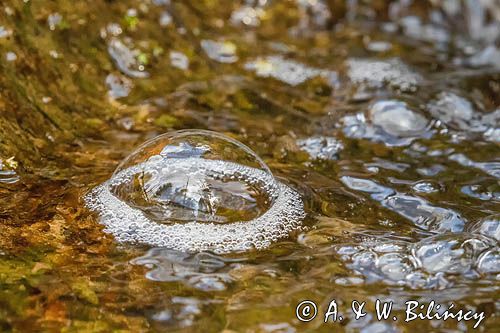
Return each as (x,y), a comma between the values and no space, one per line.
(196,190)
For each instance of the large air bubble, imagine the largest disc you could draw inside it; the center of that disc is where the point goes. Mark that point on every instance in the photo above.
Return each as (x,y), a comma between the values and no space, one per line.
(196,190)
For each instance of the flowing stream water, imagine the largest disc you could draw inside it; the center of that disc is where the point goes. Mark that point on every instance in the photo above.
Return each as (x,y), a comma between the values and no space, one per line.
(357,158)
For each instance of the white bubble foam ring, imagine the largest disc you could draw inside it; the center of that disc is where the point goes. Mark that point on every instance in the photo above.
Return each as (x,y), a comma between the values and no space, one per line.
(129,224)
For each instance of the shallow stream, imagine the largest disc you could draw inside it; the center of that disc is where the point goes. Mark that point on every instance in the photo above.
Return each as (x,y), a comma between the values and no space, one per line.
(384,116)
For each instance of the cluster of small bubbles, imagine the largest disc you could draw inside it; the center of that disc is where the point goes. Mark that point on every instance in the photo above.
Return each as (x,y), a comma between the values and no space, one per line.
(378,262)
(183,191)
(389,121)
(288,71)
(321,147)
(126,59)
(220,51)
(450,253)
(435,262)
(377,73)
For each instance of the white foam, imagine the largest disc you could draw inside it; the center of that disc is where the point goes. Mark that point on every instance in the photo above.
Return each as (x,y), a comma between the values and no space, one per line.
(375,74)
(128,224)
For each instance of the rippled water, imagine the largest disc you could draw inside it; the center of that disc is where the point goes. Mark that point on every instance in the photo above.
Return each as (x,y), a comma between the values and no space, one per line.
(384,117)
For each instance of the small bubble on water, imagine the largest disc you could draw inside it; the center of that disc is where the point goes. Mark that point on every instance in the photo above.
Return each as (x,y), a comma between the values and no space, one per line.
(389,121)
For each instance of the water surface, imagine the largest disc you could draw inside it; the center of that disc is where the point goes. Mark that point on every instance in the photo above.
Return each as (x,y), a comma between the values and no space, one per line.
(384,117)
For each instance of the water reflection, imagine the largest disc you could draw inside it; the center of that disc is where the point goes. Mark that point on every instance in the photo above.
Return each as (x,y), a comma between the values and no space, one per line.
(384,115)
(204,271)
(415,209)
